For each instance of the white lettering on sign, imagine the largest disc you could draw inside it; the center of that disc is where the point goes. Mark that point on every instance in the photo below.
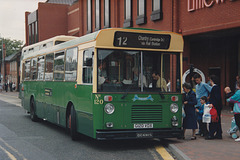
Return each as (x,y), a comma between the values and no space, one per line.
(200,4)
(150,41)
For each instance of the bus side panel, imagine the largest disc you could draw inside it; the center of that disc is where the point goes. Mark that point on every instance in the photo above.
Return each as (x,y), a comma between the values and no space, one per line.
(82,100)
(57,95)
(26,94)
(39,97)
(98,109)
(52,98)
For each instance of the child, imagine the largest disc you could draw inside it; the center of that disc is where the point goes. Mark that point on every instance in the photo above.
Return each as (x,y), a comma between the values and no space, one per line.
(200,111)
(229,94)
(236,109)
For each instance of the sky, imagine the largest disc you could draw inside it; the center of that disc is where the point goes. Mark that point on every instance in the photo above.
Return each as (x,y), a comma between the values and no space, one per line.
(12,17)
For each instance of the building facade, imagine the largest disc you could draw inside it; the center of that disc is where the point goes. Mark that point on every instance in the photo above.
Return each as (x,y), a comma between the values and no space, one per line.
(211,28)
(10,70)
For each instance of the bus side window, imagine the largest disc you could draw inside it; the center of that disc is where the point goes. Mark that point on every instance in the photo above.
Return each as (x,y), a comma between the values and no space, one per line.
(87,65)
(49,67)
(27,71)
(71,64)
(59,65)
(40,64)
(34,69)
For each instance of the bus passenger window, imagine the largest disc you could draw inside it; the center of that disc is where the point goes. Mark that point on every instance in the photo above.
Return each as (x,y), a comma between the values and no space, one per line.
(27,71)
(40,66)
(34,69)
(87,65)
(49,67)
(71,64)
(59,66)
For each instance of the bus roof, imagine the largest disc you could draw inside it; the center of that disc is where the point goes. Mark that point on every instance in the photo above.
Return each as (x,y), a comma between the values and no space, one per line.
(105,39)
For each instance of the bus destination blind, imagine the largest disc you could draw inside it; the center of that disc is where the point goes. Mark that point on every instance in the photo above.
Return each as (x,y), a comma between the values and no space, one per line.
(141,40)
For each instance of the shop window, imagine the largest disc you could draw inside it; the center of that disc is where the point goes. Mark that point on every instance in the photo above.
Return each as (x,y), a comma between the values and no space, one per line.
(40,66)
(34,69)
(106,13)
(97,14)
(71,64)
(89,16)
(141,19)
(49,67)
(156,10)
(88,65)
(128,13)
(59,66)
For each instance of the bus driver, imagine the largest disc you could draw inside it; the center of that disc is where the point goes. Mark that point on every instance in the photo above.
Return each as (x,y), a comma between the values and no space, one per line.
(161,82)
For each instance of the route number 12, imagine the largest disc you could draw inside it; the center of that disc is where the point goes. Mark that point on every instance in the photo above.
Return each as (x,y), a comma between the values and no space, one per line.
(122,41)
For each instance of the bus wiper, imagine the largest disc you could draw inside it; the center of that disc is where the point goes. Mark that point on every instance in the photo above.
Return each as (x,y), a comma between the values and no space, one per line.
(126,93)
(160,93)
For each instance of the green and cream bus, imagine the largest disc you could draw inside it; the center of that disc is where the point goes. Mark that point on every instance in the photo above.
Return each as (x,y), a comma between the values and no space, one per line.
(111,84)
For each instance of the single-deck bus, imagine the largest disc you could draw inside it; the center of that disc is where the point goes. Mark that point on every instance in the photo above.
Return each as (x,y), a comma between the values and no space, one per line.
(111,84)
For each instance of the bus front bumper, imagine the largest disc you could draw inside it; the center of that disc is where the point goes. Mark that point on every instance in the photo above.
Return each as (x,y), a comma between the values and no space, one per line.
(139,134)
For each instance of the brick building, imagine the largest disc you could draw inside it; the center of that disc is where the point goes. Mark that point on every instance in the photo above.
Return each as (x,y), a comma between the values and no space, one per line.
(11,69)
(211,28)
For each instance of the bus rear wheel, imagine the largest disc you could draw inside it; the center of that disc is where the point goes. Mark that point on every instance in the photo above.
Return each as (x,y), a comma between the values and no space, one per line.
(33,115)
(72,123)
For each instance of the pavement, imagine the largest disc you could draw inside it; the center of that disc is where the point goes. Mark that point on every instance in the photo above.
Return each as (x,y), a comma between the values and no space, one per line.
(199,149)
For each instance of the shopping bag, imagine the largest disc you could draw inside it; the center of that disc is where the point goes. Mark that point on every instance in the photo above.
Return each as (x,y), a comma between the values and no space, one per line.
(214,115)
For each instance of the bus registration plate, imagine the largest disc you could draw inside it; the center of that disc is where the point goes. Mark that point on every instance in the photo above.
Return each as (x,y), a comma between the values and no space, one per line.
(148,125)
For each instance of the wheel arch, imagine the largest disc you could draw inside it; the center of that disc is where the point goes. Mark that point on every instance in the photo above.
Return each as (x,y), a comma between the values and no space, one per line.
(68,110)
(32,97)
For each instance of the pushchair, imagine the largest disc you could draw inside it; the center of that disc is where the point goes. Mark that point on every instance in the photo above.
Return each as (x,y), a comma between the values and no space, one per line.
(233,130)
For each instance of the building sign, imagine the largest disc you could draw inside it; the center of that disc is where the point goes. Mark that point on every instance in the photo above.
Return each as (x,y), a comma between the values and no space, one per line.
(196,71)
(200,4)
(141,40)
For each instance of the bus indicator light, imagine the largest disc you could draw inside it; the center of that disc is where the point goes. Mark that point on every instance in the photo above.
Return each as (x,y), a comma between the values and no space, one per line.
(174,98)
(75,86)
(108,98)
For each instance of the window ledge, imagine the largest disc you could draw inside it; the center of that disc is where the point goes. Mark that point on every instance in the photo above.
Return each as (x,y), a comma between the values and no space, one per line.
(141,20)
(156,15)
(127,23)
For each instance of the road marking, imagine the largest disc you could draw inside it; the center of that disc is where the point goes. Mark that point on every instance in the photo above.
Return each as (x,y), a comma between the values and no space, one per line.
(8,153)
(11,148)
(164,153)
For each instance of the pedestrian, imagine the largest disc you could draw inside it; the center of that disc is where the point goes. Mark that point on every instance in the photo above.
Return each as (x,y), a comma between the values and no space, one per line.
(10,86)
(229,94)
(190,120)
(215,128)
(200,111)
(1,86)
(202,89)
(6,86)
(236,110)
(13,86)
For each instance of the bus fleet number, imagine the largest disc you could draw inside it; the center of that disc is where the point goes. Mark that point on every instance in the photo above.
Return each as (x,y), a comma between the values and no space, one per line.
(98,101)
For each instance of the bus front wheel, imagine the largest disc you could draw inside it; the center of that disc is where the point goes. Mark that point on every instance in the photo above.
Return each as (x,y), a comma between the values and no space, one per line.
(72,124)
(33,115)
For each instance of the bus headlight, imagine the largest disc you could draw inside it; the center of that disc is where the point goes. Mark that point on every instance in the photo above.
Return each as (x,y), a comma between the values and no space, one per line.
(174,108)
(109,108)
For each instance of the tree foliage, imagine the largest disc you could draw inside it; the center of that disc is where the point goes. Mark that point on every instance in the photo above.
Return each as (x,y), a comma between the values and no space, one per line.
(12,46)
